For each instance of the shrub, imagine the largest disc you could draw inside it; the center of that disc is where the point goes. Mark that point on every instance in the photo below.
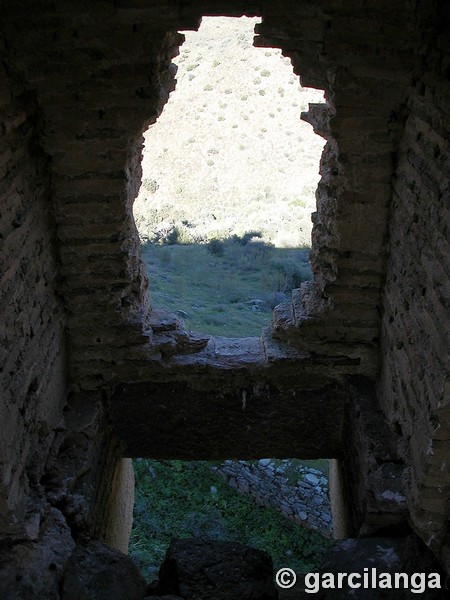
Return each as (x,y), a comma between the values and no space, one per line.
(298,202)
(293,271)
(150,185)
(272,299)
(216,247)
(243,240)
(172,237)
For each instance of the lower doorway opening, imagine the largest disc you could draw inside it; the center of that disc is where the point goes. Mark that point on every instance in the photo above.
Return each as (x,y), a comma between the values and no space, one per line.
(281,507)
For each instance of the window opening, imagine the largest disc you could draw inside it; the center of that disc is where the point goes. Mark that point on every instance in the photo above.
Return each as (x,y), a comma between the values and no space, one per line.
(229,177)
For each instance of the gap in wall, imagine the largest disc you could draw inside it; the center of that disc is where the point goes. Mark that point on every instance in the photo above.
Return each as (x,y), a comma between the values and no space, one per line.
(228,186)
(279,506)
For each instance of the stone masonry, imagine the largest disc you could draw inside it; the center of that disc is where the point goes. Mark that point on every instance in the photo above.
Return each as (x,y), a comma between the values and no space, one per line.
(304,501)
(355,367)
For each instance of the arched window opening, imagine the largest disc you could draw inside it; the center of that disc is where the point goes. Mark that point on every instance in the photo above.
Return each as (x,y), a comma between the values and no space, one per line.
(228,185)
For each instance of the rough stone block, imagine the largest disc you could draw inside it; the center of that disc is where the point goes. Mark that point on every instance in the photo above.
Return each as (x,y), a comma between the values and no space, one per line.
(199,569)
(97,572)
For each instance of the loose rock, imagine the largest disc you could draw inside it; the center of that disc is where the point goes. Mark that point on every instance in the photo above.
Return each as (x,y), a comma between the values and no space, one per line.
(203,569)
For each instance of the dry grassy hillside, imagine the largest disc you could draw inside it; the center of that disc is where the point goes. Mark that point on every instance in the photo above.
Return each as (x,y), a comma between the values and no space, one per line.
(229,153)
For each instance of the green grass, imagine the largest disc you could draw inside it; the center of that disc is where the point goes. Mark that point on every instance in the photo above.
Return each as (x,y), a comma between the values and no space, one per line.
(232,294)
(186,499)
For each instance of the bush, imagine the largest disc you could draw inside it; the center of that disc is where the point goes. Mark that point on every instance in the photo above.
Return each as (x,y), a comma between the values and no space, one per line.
(272,299)
(175,234)
(216,247)
(172,237)
(243,240)
(293,271)
(150,185)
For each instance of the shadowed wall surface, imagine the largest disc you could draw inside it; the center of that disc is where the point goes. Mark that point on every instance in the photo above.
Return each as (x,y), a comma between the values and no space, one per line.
(89,367)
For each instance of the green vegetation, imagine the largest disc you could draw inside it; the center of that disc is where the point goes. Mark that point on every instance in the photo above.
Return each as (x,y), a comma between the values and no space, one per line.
(186,499)
(226,287)
(150,185)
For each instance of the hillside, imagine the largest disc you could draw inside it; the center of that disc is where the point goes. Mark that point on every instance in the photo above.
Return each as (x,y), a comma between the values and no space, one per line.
(229,155)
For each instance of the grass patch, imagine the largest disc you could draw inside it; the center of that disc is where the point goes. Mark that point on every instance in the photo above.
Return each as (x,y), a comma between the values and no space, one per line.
(246,279)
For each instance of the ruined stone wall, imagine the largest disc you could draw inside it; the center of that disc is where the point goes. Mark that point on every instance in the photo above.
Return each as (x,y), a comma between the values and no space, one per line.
(303,499)
(108,66)
(82,81)
(71,160)
(414,387)
(32,346)
(100,75)
(362,59)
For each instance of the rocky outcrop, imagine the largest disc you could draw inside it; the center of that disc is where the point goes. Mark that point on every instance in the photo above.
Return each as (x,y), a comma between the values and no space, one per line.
(32,570)
(97,572)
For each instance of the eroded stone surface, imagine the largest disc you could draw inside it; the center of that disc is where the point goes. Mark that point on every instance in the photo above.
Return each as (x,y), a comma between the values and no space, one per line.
(385,555)
(32,570)
(204,569)
(79,83)
(97,572)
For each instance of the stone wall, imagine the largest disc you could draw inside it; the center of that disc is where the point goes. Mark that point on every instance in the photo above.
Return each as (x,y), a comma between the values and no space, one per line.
(32,346)
(364,67)
(414,386)
(304,501)
(110,70)
(79,83)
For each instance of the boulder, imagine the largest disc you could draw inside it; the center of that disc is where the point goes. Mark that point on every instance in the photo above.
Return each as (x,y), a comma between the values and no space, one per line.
(204,569)
(31,570)
(98,572)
